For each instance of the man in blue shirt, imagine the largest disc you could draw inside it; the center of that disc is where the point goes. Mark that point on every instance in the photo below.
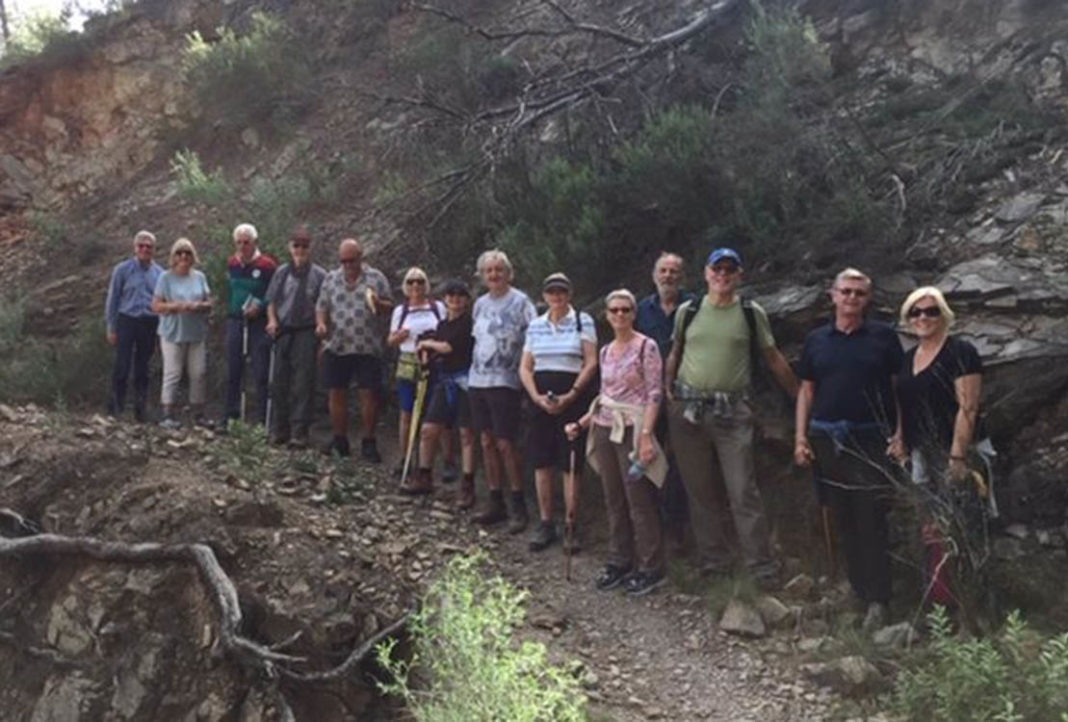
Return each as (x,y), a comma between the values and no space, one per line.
(656,319)
(131,323)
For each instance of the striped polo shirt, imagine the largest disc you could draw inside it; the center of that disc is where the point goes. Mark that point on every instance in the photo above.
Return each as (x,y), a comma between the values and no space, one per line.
(558,346)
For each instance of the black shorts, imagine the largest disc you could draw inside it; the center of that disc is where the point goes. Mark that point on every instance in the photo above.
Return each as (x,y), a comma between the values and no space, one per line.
(340,369)
(547,443)
(495,410)
(439,410)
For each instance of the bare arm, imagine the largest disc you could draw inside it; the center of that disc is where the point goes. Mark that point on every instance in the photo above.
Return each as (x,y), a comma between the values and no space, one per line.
(968,389)
(589,367)
(780,368)
(803,455)
(526,377)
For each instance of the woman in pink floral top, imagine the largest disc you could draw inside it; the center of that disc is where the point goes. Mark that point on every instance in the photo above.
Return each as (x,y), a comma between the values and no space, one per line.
(627,408)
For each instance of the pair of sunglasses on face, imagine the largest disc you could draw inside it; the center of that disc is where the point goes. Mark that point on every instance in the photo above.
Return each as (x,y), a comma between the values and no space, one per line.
(929,312)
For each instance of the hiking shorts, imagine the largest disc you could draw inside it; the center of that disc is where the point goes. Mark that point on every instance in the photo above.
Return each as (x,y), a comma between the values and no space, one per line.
(340,369)
(454,412)
(496,410)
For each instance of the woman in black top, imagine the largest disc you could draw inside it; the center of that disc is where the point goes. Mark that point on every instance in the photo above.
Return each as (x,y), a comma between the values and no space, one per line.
(938,389)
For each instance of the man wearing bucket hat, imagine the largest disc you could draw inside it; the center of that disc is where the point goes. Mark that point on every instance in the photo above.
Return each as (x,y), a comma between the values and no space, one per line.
(717,342)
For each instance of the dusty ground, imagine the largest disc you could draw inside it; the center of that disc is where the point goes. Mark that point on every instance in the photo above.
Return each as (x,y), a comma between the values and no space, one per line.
(326,550)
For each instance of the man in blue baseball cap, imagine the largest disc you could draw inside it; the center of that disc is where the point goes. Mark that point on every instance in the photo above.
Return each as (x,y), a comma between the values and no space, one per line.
(718,340)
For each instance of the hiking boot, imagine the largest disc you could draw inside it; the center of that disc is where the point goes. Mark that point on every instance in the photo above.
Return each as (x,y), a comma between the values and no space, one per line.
(766,575)
(641,583)
(544,535)
(203,422)
(298,441)
(610,577)
(494,512)
(339,445)
(139,412)
(170,423)
(449,473)
(518,517)
(465,498)
(279,438)
(369,451)
(875,618)
(418,484)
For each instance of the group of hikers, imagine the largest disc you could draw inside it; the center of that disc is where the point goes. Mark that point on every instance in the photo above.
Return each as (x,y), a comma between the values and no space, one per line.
(663,412)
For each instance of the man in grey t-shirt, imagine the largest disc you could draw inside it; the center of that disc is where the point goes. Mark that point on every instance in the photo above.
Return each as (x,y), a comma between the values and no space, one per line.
(291,299)
(501,317)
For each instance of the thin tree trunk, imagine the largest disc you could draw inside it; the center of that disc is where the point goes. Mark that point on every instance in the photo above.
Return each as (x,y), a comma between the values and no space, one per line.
(3,23)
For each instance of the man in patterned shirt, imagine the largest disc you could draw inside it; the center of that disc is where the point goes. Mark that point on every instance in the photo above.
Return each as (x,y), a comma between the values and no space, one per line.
(353,302)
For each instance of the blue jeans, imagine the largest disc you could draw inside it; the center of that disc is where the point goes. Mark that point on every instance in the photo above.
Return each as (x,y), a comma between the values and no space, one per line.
(259,351)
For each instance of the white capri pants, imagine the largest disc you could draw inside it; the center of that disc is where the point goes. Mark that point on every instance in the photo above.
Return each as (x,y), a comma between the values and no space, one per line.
(189,357)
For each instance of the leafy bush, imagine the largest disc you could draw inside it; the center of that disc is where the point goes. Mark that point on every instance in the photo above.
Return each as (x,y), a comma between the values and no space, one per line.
(243,451)
(1015,678)
(44,37)
(259,78)
(74,370)
(474,669)
(194,183)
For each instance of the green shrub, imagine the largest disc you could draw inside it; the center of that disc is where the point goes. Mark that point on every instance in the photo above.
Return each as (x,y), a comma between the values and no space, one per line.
(45,38)
(243,451)
(474,669)
(12,323)
(74,369)
(194,183)
(1017,677)
(257,79)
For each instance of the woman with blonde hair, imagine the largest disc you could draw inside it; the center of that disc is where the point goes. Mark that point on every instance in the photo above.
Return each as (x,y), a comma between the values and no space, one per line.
(415,318)
(182,299)
(938,389)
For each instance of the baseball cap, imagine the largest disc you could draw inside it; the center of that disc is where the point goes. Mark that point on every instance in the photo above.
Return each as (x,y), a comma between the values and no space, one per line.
(556,282)
(721,254)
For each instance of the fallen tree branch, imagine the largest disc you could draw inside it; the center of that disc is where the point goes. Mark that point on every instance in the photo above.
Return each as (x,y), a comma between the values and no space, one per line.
(356,657)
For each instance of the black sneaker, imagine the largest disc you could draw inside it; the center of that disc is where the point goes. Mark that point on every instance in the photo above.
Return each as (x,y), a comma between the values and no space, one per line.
(544,535)
(610,577)
(139,413)
(369,451)
(339,444)
(641,583)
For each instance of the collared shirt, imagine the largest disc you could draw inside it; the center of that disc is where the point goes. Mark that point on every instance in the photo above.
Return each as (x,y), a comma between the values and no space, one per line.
(248,280)
(852,373)
(630,374)
(657,325)
(130,291)
(558,346)
(500,329)
(282,292)
(354,328)
(188,326)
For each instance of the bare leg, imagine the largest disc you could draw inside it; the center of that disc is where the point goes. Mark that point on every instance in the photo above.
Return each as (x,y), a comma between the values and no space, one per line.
(368,412)
(491,462)
(510,461)
(448,446)
(543,483)
(338,401)
(428,442)
(467,450)
(405,426)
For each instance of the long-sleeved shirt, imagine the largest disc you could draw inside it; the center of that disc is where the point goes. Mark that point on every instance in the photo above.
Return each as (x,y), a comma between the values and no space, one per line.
(248,280)
(130,291)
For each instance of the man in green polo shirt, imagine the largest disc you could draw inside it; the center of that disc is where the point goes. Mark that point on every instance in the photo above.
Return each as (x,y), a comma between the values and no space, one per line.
(709,371)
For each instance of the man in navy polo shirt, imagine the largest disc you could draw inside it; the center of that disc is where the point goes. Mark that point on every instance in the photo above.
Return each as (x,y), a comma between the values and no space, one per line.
(131,323)
(846,412)
(656,319)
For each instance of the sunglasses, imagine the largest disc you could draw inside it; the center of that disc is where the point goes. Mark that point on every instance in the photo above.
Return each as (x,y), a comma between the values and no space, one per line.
(858,292)
(415,282)
(929,312)
(620,310)
(184,253)
(725,270)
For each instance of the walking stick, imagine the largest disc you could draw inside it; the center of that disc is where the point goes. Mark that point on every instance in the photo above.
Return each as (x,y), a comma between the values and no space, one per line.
(270,387)
(569,524)
(244,363)
(827,541)
(417,411)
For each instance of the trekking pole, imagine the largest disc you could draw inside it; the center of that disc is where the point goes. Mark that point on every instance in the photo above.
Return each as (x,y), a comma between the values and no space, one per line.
(244,363)
(417,411)
(569,524)
(270,387)
(827,540)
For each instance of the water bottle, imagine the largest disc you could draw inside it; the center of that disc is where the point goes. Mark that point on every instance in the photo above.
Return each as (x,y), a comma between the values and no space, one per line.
(637,468)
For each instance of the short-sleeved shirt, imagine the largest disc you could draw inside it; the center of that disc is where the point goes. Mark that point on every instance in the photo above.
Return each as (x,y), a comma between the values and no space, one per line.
(500,329)
(419,320)
(716,356)
(558,346)
(852,373)
(183,327)
(457,333)
(657,325)
(630,374)
(354,328)
(929,399)
(282,292)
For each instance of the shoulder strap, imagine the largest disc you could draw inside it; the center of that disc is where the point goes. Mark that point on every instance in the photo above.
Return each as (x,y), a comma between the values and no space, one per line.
(754,341)
(688,315)
(403,316)
(434,309)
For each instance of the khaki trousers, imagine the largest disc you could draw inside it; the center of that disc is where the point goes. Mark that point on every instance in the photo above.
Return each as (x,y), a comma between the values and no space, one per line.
(633,509)
(717,453)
